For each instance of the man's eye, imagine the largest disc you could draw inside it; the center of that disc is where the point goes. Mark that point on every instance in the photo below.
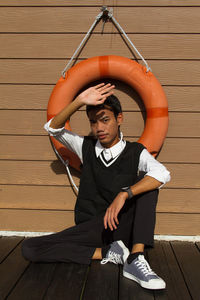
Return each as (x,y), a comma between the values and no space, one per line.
(105,120)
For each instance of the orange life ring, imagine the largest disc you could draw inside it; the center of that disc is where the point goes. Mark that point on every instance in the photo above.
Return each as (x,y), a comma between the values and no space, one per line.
(120,68)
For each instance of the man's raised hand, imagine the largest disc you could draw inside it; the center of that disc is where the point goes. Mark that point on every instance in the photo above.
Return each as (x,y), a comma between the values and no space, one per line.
(96,95)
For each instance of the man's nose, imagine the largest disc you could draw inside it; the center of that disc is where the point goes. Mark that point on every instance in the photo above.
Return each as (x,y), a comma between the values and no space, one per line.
(100,126)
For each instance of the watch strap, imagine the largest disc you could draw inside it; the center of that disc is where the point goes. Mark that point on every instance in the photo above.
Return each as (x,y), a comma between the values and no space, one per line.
(128,190)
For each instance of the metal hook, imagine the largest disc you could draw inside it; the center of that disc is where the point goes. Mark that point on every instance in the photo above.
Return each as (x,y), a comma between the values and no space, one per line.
(106,15)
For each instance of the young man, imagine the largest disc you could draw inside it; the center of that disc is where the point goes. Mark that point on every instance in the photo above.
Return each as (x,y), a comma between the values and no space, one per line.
(115,209)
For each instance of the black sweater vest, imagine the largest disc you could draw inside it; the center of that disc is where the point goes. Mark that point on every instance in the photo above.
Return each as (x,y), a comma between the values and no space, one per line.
(99,184)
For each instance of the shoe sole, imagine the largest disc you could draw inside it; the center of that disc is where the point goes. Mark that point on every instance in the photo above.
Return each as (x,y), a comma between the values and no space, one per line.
(144,284)
(125,249)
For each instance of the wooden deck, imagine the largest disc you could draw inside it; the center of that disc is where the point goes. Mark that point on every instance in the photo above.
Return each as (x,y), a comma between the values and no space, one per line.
(177,262)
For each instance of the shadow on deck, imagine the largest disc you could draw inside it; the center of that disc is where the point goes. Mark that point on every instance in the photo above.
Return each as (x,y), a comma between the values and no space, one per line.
(178,263)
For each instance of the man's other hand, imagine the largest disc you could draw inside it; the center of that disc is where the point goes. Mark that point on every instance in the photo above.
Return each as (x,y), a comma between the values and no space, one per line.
(111,215)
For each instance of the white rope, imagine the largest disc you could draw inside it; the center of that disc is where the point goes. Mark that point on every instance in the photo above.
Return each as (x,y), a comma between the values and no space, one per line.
(98,17)
(70,177)
(66,164)
(130,42)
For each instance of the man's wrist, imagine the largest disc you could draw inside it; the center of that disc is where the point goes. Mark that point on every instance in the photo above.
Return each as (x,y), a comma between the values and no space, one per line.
(128,190)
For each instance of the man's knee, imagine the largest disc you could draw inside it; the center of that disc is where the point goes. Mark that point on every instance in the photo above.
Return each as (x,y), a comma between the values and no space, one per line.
(28,251)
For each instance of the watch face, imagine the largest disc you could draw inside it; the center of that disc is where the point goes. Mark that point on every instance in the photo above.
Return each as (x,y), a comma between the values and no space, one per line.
(125,188)
(128,190)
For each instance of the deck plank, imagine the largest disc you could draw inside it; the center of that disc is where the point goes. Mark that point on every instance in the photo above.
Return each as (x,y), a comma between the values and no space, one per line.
(163,262)
(102,282)
(130,290)
(7,245)
(198,245)
(12,268)
(188,258)
(34,282)
(68,279)
(178,263)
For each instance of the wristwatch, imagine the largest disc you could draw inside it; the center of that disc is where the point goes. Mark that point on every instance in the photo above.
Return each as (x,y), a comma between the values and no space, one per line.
(128,190)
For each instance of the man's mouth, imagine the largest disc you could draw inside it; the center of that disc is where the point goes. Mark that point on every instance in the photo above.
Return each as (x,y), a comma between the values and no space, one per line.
(101,136)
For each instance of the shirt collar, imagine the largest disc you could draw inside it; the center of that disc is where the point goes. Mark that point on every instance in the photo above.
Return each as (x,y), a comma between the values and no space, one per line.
(115,150)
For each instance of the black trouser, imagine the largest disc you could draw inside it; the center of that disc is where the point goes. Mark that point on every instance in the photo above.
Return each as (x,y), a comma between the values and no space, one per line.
(78,243)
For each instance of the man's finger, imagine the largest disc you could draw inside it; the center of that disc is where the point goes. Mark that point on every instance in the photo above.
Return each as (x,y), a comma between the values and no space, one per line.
(104,91)
(109,222)
(105,220)
(101,101)
(116,219)
(108,94)
(104,87)
(112,220)
(104,97)
(99,85)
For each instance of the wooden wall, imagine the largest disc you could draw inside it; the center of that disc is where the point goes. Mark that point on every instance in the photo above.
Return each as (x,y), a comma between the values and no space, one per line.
(37,38)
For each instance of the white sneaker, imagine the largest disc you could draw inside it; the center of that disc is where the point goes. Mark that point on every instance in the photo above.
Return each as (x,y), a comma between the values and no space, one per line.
(140,271)
(117,253)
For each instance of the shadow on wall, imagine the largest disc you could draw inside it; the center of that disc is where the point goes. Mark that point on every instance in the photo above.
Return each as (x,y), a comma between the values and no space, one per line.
(58,168)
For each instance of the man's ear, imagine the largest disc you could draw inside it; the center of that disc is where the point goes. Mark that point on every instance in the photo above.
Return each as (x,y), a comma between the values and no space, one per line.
(119,119)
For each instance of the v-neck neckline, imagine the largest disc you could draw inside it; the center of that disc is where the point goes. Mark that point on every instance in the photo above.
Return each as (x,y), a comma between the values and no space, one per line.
(115,160)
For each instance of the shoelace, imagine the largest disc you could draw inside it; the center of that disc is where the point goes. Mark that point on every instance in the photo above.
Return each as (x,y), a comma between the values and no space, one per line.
(144,266)
(112,257)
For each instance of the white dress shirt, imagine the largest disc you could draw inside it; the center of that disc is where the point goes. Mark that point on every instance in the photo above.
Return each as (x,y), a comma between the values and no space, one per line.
(74,142)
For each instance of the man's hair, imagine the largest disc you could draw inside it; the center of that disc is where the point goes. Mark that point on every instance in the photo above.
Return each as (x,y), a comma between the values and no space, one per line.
(111,101)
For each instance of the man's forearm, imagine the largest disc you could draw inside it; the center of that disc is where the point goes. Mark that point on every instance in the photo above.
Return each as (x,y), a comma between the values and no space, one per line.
(144,185)
(61,118)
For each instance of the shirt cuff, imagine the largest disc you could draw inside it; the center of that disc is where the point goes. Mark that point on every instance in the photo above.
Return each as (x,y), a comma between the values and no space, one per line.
(53,131)
(162,176)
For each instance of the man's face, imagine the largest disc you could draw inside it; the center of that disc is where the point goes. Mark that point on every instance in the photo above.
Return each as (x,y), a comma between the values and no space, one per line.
(104,126)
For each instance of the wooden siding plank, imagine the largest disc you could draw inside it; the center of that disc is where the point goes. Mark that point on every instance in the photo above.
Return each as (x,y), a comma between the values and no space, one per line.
(35,220)
(172,150)
(25,96)
(177,224)
(28,172)
(54,221)
(34,282)
(99,3)
(179,200)
(22,122)
(7,245)
(101,275)
(16,265)
(63,198)
(163,262)
(180,174)
(46,71)
(71,19)
(187,255)
(39,148)
(42,173)
(26,148)
(54,173)
(180,98)
(68,279)
(152,46)
(37,197)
